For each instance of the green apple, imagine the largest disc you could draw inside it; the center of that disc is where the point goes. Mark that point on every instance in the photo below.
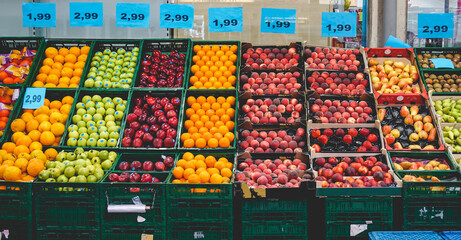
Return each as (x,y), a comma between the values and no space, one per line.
(99,53)
(113,129)
(91,142)
(83,171)
(110,70)
(107,75)
(97,117)
(135,54)
(81,154)
(116,85)
(76,118)
(62,179)
(100,74)
(112,59)
(109,105)
(104,62)
(71,156)
(89,83)
(120,106)
(106,165)
(104,154)
(98,84)
(102,67)
(72,127)
(94,64)
(112,142)
(89,104)
(98,78)
(101,129)
(126,86)
(106,84)
(73,179)
(72,142)
(80,125)
(111,123)
(91,168)
(93,153)
(111,65)
(123,75)
(50,180)
(69,172)
(80,178)
(109,118)
(81,142)
(113,54)
(104,135)
(106,99)
(73,134)
(110,111)
(87,117)
(69,164)
(99,173)
(101,142)
(92,129)
(106,57)
(50,164)
(114,79)
(91,110)
(82,129)
(84,136)
(116,73)
(118,68)
(121,51)
(95,160)
(125,64)
(90,124)
(55,172)
(100,123)
(119,62)
(95,136)
(114,135)
(118,115)
(133,60)
(93,69)
(135,49)
(81,111)
(44,174)
(80,162)
(99,105)
(91,178)
(130,72)
(85,99)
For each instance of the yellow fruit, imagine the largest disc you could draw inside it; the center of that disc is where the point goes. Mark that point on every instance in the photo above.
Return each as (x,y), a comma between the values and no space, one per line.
(57,128)
(216,179)
(18,125)
(21,163)
(12,173)
(20,149)
(51,154)
(9,147)
(47,138)
(35,146)
(35,168)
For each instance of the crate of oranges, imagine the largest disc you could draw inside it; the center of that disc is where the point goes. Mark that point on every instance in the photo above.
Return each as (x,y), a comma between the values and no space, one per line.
(18,59)
(209,120)
(215,65)
(62,64)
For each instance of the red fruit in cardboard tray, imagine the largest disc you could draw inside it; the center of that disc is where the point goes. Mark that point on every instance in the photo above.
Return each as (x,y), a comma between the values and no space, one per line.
(333,161)
(328,132)
(147,166)
(137,142)
(376,169)
(135,177)
(323,139)
(363,170)
(362,149)
(339,132)
(320,161)
(159,166)
(368,164)
(113,177)
(136,166)
(378,176)
(338,170)
(147,138)
(346,160)
(367,144)
(374,149)
(326,172)
(364,132)
(315,133)
(146,177)
(343,165)
(157,143)
(372,138)
(168,161)
(337,177)
(124,177)
(390,138)
(169,142)
(347,138)
(350,171)
(316,148)
(352,131)
(293,175)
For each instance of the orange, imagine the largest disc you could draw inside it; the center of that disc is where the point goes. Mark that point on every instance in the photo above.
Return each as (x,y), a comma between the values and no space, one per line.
(194,118)
(214,118)
(176,181)
(188,172)
(192,130)
(21,163)
(230,136)
(189,112)
(212,171)
(222,159)
(68,100)
(32,125)
(18,125)
(200,143)
(59,58)
(178,172)
(35,168)
(195,136)
(56,117)
(75,51)
(52,78)
(45,69)
(20,149)
(194,68)
(221,100)
(200,112)
(80,64)
(189,143)
(225,118)
(226,172)
(199,157)
(41,77)
(188,156)
(219,165)
(185,136)
(188,124)
(57,128)
(181,163)
(70,58)
(12,173)
(57,65)
(34,135)
(194,178)
(205,118)
(35,146)
(204,177)
(69,65)
(47,138)
(207,136)
(230,100)
(213,143)
(191,100)
(63,51)
(201,100)
(44,126)
(197,48)
(216,179)
(51,52)
(223,130)
(78,72)
(16,136)
(85,50)
(48,62)
(67,72)
(74,80)
(8,147)
(203,130)
(206,48)
(218,124)
(210,161)
(199,124)
(24,140)
(196,106)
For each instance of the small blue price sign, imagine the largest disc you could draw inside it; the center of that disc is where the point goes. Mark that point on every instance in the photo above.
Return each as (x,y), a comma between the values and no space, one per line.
(39,14)
(34,98)
(274,20)
(442,63)
(86,14)
(335,24)
(177,16)
(435,25)
(225,19)
(135,15)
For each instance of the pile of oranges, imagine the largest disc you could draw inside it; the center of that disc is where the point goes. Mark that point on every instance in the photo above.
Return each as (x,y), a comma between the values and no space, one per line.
(41,127)
(214,67)
(201,169)
(24,166)
(209,122)
(62,68)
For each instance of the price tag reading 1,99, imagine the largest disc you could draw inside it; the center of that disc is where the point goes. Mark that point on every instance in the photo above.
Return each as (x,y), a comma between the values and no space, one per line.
(177,16)
(133,15)
(225,19)
(86,14)
(275,20)
(435,25)
(339,24)
(39,14)
(34,98)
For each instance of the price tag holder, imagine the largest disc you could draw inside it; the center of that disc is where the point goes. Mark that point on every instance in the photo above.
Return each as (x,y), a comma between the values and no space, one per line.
(177,16)
(339,24)
(442,63)
(435,25)
(225,19)
(274,20)
(134,15)
(34,98)
(86,14)
(39,14)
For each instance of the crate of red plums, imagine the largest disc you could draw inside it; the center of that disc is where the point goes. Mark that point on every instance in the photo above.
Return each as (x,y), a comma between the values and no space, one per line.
(153,119)
(276,140)
(331,58)
(272,82)
(344,83)
(272,57)
(408,127)
(164,64)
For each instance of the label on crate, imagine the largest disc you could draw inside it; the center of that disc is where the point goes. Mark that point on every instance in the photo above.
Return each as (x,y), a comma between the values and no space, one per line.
(274,20)
(34,98)
(335,24)
(86,14)
(225,19)
(135,15)
(442,63)
(39,14)
(356,229)
(177,16)
(435,25)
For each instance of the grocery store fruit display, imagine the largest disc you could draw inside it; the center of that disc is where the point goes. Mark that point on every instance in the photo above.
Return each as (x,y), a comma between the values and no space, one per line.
(112,69)
(273,110)
(408,128)
(202,169)
(214,67)
(288,141)
(165,163)
(333,58)
(452,137)
(342,139)
(161,70)
(8,98)
(393,77)
(339,172)
(407,163)
(96,122)
(267,83)
(62,68)
(271,58)
(442,82)
(16,65)
(449,110)
(338,83)
(23,166)
(341,111)
(153,122)
(425,59)
(209,122)
(276,173)
(78,166)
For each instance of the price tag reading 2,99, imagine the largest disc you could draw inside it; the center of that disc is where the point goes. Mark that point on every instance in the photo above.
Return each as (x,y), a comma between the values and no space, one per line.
(34,98)
(177,16)
(86,14)
(39,14)
(435,25)
(339,24)
(225,19)
(136,15)
(275,20)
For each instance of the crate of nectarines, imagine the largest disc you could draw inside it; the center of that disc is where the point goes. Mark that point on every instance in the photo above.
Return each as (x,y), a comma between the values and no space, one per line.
(331,58)
(272,82)
(290,140)
(336,83)
(272,57)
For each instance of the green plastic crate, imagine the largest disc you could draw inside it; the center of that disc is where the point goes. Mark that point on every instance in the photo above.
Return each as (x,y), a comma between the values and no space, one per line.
(271,229)
(432,213)
(449,186)
(48,234)
(18,229)
(110,233)
(342,230)
(425,156)
(194,231)
(15,201)
(273,210)
(16,108)
(219,43)
(435,51)
(166,46)
(18,43)
(359,209)
(113,45)
(440,73)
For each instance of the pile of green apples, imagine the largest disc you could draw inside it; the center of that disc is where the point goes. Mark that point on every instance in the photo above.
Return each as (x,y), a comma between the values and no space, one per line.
(97,122)
(112,69)
(449,110)
(78,166)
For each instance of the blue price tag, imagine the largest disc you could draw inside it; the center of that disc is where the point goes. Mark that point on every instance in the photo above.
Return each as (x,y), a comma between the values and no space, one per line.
(135,15)
(225,19)
(34,98)
(435,25)
(177,16)
(39,14)
(86,14)
(339,24)
(274,20)
(442,63)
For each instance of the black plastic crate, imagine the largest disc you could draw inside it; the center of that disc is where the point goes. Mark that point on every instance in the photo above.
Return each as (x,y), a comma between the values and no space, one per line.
(270,229)
(192,230)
